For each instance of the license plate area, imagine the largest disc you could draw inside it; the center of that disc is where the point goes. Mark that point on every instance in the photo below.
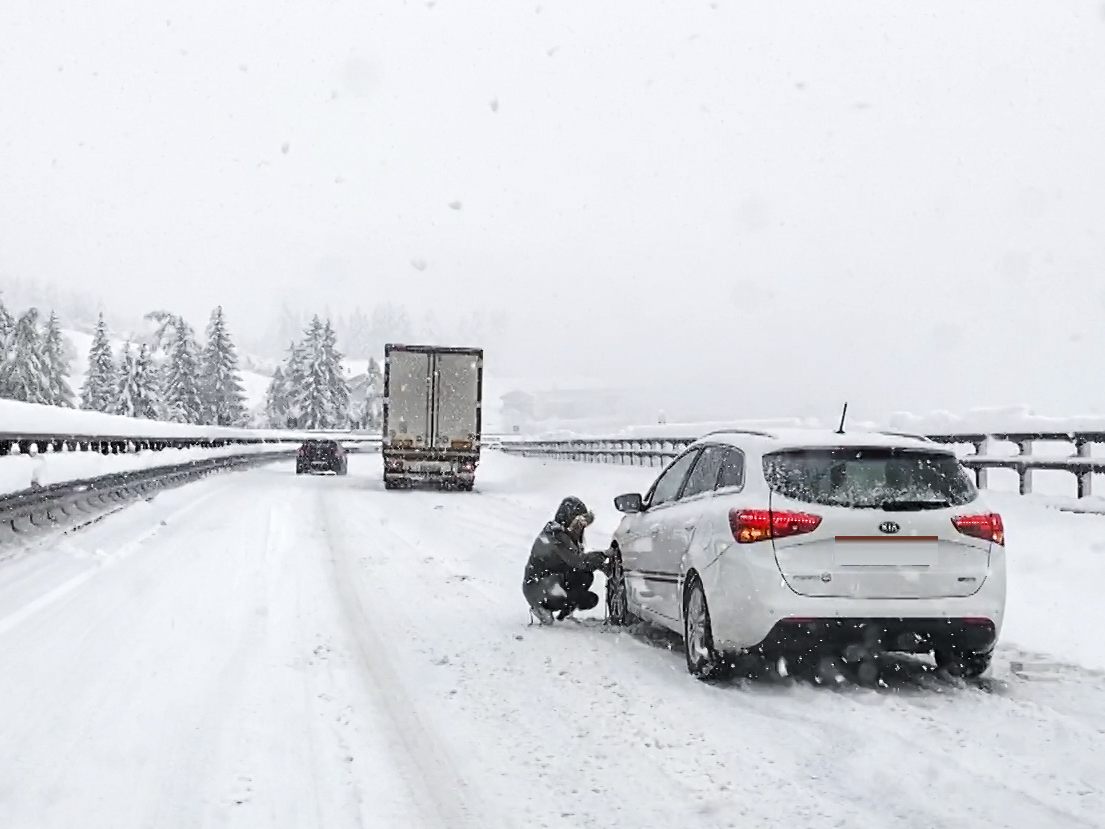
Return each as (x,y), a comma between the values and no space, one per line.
(875,551)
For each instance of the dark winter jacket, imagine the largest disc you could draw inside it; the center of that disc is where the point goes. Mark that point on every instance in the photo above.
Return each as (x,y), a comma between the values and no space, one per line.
(555,551)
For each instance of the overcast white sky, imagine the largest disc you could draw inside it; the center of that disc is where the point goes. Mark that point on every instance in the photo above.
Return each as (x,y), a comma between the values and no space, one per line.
(766,206)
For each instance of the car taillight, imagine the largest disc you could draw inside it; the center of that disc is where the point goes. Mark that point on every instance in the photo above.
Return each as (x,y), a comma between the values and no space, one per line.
(988,527)
(752,525)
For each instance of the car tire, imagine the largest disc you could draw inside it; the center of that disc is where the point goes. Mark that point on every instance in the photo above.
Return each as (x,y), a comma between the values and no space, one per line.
(617,597)
(703,660)
(964,665)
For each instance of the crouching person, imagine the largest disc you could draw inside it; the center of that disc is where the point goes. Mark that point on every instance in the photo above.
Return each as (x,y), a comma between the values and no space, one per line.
(559,572)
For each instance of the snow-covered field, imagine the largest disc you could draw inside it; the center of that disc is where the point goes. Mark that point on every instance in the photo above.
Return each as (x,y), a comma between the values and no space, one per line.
(261,649)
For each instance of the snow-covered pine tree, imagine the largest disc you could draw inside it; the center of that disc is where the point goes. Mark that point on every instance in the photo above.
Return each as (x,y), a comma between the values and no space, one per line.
(335,377)
(147,386)
(164,334)
(276,401)
(100,384)
(182,382)
(24,374)
(7,328)
(294,373)
(223,393)
(57,364)
(128,383)
(314,400)
(374,396)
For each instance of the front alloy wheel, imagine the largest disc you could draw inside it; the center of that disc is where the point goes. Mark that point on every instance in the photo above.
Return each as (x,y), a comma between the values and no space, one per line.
(703,661)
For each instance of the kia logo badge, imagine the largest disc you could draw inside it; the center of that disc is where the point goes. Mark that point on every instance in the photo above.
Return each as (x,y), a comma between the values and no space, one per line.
(889,527)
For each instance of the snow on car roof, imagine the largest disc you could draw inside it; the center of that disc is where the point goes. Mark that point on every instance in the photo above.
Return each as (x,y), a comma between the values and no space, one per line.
(771,440)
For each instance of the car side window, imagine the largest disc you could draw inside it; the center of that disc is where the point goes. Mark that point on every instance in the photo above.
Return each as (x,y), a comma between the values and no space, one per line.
(668,484)
(704,476)
(731,473)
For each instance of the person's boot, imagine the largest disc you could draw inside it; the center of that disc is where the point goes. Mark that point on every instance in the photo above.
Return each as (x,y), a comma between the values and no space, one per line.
(587,601)
(542,614)
(579,601)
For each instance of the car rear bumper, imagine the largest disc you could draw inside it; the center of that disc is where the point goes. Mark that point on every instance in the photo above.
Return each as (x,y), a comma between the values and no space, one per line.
(908,635)
(749,599)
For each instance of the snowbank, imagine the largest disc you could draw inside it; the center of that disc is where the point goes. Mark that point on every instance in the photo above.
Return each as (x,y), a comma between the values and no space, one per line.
(32,418)
(19,472)
(1008,419)
(1056,565)
(984,420)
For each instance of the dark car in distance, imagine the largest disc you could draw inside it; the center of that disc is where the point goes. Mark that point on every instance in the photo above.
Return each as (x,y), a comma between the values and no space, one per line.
(321,456)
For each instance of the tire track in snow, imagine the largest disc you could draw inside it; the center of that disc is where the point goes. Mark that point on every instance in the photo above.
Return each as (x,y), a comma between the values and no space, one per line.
(442,790)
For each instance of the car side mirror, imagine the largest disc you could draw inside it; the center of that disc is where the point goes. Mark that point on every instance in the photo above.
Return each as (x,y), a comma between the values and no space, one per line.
(629,503)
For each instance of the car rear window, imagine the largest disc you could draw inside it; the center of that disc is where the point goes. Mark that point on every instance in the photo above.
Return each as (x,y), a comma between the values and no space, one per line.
(893,479)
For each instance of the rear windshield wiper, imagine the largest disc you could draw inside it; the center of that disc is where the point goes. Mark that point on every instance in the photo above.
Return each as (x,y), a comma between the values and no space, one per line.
(909,506)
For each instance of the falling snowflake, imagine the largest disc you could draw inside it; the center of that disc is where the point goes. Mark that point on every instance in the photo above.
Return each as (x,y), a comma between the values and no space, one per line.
(455,205)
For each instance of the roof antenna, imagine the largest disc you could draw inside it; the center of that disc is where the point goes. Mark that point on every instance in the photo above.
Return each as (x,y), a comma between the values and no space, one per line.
(843,415)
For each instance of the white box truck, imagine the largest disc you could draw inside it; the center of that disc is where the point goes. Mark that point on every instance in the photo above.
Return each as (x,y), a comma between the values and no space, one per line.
(432,415)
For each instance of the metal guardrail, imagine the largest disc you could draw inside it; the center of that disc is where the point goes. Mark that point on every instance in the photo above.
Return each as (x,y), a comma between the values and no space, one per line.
(79,502)
(27,442)
(646,451)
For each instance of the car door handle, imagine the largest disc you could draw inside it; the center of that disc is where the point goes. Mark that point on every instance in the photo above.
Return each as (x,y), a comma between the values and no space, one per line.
(654,530)
(689,525)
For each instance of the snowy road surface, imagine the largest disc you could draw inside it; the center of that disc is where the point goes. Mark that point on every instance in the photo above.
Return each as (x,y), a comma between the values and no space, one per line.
(264,650)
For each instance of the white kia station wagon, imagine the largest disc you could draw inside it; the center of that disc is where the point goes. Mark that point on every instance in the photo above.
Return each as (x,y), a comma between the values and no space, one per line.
(799,542)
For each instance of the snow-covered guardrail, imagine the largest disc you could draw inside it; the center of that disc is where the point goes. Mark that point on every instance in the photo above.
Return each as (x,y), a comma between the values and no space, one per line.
(657,451)
(27,428)
(76,502)
(115,444)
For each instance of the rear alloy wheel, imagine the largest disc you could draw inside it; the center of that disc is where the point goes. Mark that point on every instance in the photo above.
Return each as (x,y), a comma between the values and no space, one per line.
(965,665)
(703,661)
(617,599)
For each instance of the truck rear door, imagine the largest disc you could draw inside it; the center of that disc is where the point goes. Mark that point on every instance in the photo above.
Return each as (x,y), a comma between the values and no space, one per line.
(408,398)
(456,406)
